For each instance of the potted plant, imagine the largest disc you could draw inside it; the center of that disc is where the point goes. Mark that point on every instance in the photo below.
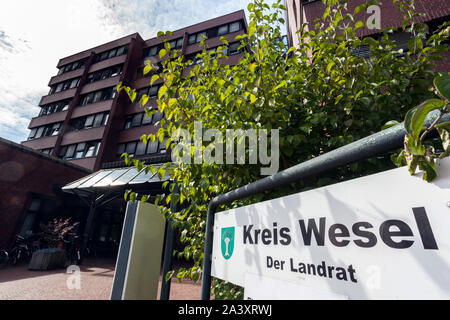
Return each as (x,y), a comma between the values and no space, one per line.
(52,237)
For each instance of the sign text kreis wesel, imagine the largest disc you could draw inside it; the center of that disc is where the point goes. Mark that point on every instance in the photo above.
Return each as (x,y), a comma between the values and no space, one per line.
(392,232)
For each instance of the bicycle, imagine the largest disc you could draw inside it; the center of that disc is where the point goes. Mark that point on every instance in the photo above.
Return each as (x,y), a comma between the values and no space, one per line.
(4,258)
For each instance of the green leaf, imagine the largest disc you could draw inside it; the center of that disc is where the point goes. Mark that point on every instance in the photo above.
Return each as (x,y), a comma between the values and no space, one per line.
(421,113)
(161,91)
(444,133)
(408,120)
(359,24)
(162,53)
(154,78)
(442,84)
(338,98)
(429,166)
(389,124)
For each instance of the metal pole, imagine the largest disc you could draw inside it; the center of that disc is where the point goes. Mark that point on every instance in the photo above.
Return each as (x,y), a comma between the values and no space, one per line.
(87,231)
(168,252)
(206,275)
(373,145)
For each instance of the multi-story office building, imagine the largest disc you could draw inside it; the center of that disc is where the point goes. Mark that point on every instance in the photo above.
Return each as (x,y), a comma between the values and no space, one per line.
(85,121)
(435,12)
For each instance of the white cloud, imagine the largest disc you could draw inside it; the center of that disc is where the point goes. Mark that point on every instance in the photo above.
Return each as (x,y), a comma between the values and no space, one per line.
(34,35)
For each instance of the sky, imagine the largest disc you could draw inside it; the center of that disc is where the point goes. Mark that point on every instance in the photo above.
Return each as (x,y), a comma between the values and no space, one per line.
(34,35)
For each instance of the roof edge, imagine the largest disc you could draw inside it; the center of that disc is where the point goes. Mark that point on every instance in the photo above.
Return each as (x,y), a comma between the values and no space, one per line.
(39,154)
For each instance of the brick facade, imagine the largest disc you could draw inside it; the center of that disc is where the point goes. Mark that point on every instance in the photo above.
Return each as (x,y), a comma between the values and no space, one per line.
(435,12)
(27,174)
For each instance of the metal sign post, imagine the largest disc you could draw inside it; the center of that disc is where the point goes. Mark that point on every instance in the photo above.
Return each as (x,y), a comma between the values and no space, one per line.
(373,145)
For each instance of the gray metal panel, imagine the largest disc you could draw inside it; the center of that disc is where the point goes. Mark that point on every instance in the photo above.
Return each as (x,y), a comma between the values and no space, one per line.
(100,175)
(143,177)
(126,177)
(78,182)
(124,252)
(106,181)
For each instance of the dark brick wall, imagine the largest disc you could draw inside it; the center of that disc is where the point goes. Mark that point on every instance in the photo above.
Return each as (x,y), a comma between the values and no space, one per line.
(23,173)
(390,16)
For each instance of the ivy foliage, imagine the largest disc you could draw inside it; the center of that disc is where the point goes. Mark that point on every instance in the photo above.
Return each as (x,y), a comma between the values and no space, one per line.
(320,96)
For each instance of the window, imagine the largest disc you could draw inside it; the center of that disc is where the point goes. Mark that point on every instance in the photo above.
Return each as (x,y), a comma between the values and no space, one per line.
(137,119)
(153,91)
(157,117)
(162,146)
(39,132)
(71,151)
(96,96)
(55,107)
(222,30)
(91,121)
(80,150)
(121,149)
(233,48)
(45,131)
(104,74)
(140,119)
(74,83)
(128,121)
(176,44)
(116,71)
(138,148)
(47,151)
(215,32)
(152,147)
(130,148)
(111,54)
(32,133)
(55,129)
(152,51)
(192,39)
(235,26)
(201,36)
(98,120)
(63,86)
(147,120)
(72,66)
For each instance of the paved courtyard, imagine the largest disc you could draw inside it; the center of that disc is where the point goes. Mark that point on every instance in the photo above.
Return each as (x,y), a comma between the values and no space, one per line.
(18,283)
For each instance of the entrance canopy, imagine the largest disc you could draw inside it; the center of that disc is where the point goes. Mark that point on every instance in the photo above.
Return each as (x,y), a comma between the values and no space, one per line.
(116,180)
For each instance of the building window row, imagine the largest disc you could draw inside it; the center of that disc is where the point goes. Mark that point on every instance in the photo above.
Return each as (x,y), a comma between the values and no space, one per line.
(152,92)
(47,151)
(45,131)
(215,32)
(232,49)
(62,105)
(139,120)
(158,68)
(111,53)
(100,95)
(104,74)
(72,66)
(138,148)
(80,150)
(63,86)
(154,50)
(90,121)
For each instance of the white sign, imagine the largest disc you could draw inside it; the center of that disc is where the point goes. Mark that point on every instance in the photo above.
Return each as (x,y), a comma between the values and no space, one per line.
(384,236)
(263,288)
